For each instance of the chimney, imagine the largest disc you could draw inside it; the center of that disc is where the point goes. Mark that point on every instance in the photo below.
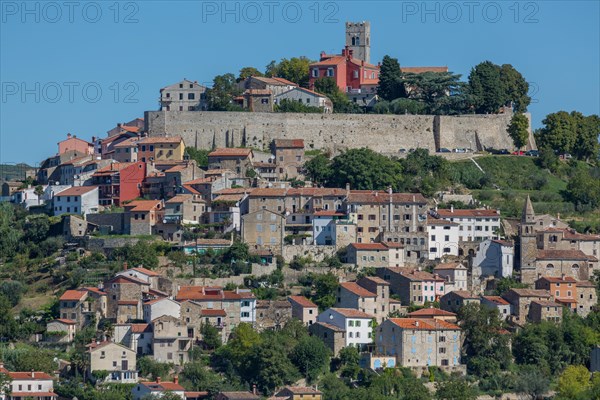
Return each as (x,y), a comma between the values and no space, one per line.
(32,373)
(323,55)
(377,193)
(451,208)
(254,389)
(125,266)
(158,379)
(417,324)
(562,276)
(176,379)
(351,53)
(68,135)
(390,191)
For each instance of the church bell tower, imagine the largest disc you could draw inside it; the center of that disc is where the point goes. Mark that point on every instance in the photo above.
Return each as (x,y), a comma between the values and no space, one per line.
(358,39)
(528,243)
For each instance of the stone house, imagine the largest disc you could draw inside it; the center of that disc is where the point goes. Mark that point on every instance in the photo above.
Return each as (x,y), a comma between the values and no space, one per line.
(520,301)
(545,310)
(276,85)
(143,274)
(126,150)
(170,343)
(307,97)
(119,361)
(568,239)
(124,298)
(333,336)
(378,255)
(61,330)
(264,230)
(258,100)
(298,393)
(413,286)
(473,225)
(303,309)
(443,237)
(289,157)
(498,303)
(433,313)
(455,274)
(333,228)
(142,217)
(573,263)
(562,289)
(357,324)
(195,316)
(453,301)
(587,297)
(183,96)
(83,305)
(138,337)
(391,217)
(370,295)
(238,160)
(272,314)
(184,209)
(420,342)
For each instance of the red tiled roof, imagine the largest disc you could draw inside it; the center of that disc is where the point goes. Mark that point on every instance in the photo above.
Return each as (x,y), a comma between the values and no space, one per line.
(380,196)
(112,168)
(161,139)
(577,255)
(190,189)
(143,205)
(65,321)
(465,294)
(145,271)
(334,60)
(131,142)
(127,279)
(141,328)
(289,143)
(369,246)
(420,70)
(36,375)
(200,180)
(133,129)
(433,312)
(95,290)
(163,386)
(72,295)
(303,301)
(497,300)
(423,324)
(228,198)
(446,213)
(356,289)
(208,293)
(230,152)
(352,313)
(438,221)
(585,284)
(328,213)
(553,279)
(418,276)
(77,191)
(451,265)
(180,198)
(213,313)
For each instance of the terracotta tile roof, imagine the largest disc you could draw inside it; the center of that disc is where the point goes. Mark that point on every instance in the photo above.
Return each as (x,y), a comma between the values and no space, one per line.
(284,81)
(333,60)
(23,376)
(234,191)
(201,293)
(133,129)
(530,292)
(73,295)
(554,279)
(65,321)
(213,313)
(431,312)
(544,303)
(447,266)
(577,255)
(289,143)
(573,235)
(143,205)
(231,152)
(419,276)
(356,289)
(465,294)
(420,70)
(145,271)
(445,213)
(328,213)
(375,279)
(497,300)
(302,301)
(163,386)
(586,284)
(317,192)
(95,290)
(565,301)
(131,142)
(369,246)
(180,198)
(423,324)
(393,245)
(112,168)
(177,168)
(351,313)
(161,140)
(124,279)
(330,326)
(190,189)
(439,221)
(77,191)
(380,196)
(141,328)
(127,302)
(199,181)
(228,198)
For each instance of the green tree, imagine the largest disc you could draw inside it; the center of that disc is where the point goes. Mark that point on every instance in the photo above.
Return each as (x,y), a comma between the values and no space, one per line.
(341,103)
(441,92)
(485,85)
(295,70)
(220,96)
(290,106)
(39,191)
(349,360)
(583,190)
(197,377)
(391,85)
(311,357)
(13,291)
(318,168)
(210,336)
(198,155)
(573,382)
(365,169)
(269,366)
(151,369)
(586,145)
(519,130)
(532,382)
(247,72)
(408,106)
(326,286)
(455,389)
(559,132)
(514,88)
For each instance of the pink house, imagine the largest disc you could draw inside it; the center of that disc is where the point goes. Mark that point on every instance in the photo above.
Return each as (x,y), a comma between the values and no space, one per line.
(73,143)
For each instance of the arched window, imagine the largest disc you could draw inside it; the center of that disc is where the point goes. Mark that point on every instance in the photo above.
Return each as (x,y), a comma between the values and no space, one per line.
(575,266)
(550,266)
(357,41)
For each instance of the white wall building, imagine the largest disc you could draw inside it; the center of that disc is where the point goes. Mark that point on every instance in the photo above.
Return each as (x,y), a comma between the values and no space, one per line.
(474,225)
(455,274)
(183,96)
(77,200)
(306,97)
(357,324)
(443,237)
(33,384)
(158,307)
(493,258)
(138,337)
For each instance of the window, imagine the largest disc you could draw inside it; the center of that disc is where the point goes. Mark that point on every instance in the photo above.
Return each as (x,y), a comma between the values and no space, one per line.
(180,96)
(330,72)
(264,101)
(245,314)
(315,73)
(191,96)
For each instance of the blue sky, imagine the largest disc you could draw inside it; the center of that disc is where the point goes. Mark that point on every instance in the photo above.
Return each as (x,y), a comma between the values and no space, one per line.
(82,68)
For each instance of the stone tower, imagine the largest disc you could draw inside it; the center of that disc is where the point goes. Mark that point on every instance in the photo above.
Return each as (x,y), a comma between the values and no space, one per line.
(528,243)
(358,39)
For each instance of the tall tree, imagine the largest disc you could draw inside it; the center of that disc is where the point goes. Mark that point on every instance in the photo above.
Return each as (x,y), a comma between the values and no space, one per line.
(294,69)
(390,85)
(514,88)
(341,103)
(247,72)
(318,168)
(519,130)
(485,86)
(573,382)
(222,93)
(435,89)
(311,357)
(559,132)
(455,389)
(586,145)
(365,169)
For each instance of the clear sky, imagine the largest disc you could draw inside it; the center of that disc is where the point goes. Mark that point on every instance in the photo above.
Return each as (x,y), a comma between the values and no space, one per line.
(81,67)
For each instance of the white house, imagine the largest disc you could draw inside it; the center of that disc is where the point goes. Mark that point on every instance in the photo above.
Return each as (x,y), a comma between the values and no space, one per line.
(455,274)
(498,303)
(443,237)
(157,389)
(357,324)
(247,306)
(138,337)
(33,384)
(306,97)
(493,258)
(77,200)
(324,226)
(162,306)
(473,225)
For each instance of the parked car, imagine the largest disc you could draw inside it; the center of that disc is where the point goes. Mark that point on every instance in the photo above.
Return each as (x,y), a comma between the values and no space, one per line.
(460,150)
(532,153)
(518,153)
(402,151)
(444,150)
(503,151)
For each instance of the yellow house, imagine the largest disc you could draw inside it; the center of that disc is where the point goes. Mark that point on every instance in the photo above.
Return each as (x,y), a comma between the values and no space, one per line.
(161,148)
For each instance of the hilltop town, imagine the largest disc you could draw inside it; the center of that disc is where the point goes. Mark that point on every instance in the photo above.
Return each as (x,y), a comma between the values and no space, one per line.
(334,237)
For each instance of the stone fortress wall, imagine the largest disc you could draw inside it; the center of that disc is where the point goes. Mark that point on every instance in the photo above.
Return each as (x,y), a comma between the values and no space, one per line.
(335,132)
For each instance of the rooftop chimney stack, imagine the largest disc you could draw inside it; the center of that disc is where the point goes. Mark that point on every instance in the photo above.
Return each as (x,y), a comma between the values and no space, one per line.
(451,208)
(158,379)
(176,379)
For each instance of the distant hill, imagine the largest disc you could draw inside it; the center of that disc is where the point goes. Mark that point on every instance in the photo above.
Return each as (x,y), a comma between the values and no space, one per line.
(9,172)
